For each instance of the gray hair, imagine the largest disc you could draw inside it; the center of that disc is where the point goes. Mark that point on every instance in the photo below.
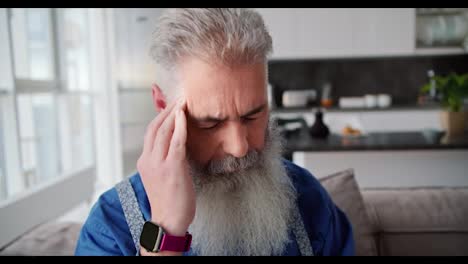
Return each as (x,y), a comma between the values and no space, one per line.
(231,36)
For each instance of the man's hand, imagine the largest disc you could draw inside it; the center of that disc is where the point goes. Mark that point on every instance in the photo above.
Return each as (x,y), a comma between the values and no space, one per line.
(164,171)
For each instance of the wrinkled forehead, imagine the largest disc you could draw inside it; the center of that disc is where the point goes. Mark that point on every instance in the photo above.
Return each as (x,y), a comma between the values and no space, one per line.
(219,90)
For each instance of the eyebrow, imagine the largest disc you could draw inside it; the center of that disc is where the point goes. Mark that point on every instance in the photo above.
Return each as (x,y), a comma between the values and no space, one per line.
(211,119)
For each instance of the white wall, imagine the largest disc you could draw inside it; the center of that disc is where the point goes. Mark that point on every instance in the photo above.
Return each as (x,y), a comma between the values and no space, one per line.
(133,31)
(134,27)
(136,112)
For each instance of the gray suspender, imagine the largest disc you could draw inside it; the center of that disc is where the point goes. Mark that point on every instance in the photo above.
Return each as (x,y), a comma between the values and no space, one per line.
(135,219)
(131,210)
(301,235)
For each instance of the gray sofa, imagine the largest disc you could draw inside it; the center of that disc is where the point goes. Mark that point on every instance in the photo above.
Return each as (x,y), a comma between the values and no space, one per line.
(419,221)
(423,221)
(404,221)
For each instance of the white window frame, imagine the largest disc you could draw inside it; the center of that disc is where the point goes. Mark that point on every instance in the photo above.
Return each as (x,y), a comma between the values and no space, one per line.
(36,205)
(3,188)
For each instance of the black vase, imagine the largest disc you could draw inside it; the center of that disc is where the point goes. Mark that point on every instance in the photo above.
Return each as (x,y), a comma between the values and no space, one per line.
(319,129)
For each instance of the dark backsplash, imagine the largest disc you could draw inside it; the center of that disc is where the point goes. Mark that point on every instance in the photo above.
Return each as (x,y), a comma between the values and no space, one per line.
(401,77)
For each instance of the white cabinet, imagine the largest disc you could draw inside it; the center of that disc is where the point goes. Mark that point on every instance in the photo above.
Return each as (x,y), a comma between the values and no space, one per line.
(383,31)
(280,23)
(299,33)
(340,32)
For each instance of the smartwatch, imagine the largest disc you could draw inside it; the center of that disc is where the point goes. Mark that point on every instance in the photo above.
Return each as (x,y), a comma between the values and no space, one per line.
(154,239)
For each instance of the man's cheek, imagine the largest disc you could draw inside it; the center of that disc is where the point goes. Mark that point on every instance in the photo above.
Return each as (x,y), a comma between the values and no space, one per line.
(199,144)
(257,134)
(191,141)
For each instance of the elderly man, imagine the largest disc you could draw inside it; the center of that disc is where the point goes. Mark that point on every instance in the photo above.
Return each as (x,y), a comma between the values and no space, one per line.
(211,178)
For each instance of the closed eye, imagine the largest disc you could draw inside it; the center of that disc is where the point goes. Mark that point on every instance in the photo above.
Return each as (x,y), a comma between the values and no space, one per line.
(209,126)
(249,118)
(253,114)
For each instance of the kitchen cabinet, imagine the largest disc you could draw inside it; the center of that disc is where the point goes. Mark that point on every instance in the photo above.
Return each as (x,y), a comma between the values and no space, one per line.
(340,32)
(300,33)
(383,31)
(387,168)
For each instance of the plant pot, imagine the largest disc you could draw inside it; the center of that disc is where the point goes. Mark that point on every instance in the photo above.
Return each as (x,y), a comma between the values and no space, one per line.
(453,123)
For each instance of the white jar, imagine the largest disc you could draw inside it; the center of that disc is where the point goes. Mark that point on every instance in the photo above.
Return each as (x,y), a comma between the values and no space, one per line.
(384,100)
(370,100)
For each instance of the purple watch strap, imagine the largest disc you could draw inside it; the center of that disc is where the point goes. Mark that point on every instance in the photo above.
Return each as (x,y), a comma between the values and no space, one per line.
(176,243)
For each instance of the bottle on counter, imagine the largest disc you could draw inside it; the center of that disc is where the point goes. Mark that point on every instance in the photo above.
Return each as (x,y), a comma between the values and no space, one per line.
(326,100)
(319,129)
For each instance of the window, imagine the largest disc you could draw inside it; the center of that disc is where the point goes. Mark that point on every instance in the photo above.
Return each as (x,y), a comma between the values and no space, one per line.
(76,48)
(75,126)
(47,107)
(38,137)
(6,76)
(3,190)
(33,43)
(55,67)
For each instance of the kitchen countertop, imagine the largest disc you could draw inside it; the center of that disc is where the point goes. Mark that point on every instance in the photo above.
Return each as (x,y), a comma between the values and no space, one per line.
(300,140)
(403,107)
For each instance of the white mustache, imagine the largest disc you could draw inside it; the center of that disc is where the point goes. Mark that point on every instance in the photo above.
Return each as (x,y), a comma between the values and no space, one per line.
(231,164)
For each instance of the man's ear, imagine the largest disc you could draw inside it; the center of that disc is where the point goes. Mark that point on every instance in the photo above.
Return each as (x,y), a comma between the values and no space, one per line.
(159,100)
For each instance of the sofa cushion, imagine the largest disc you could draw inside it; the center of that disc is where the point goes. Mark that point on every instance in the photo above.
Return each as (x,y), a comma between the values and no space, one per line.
(345,193)
(420,221)
(51,239)
(423,243)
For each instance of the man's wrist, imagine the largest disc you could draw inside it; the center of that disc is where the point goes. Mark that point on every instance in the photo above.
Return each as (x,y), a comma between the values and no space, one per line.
(172,229)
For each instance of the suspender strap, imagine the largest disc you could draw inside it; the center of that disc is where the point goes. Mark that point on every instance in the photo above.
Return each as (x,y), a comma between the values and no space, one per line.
(131,210)
(302,238)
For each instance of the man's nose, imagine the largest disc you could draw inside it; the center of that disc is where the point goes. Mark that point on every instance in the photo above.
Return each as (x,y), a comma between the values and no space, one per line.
(235,140)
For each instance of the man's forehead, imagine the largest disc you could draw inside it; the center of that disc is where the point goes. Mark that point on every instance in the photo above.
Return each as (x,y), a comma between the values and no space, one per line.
(203,108)
(220,110)
(217,90)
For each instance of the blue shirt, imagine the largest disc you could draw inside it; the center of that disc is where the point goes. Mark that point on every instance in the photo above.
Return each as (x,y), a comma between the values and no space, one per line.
(106,232)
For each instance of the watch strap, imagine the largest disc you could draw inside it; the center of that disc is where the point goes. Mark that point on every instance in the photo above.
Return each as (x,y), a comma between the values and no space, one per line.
(176,243)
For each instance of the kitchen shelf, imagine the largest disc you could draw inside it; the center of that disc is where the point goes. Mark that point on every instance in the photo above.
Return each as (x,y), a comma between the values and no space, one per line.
(406,107)
(440,11)
(440,51)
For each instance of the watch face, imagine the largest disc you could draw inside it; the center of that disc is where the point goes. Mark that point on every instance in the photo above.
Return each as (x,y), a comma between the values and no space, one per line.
(149,236)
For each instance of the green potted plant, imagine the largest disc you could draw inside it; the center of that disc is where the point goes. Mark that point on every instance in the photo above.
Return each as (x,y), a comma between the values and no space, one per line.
(452,90)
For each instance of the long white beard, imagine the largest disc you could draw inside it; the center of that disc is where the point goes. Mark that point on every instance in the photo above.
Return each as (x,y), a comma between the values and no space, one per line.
(246,212)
